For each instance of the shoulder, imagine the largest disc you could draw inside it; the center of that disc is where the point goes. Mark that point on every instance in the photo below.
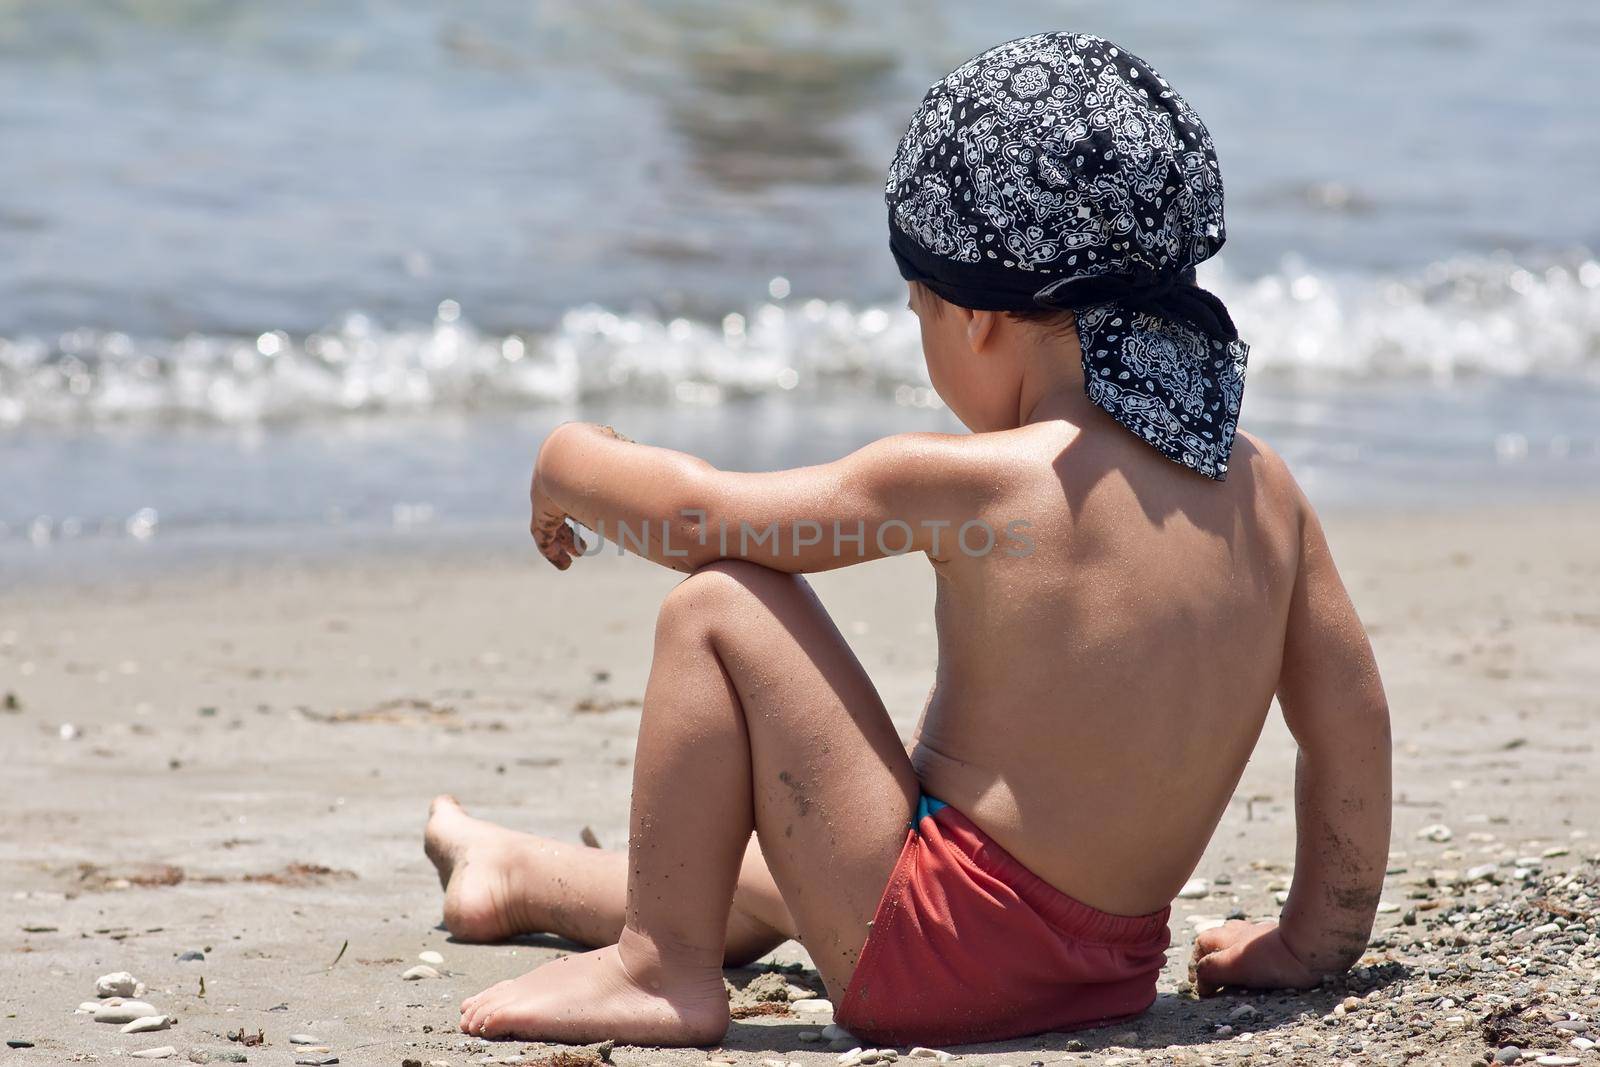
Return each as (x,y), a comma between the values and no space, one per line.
(1283,512)
(1267,473)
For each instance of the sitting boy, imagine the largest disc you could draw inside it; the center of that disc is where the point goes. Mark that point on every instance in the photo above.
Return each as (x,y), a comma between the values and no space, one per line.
(1116,611)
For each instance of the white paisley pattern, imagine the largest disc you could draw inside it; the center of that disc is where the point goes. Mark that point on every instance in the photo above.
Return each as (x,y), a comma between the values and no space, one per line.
(1064,155)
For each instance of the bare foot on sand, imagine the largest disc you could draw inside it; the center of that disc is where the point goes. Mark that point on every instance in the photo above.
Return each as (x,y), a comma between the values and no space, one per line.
(477,864)
(621,993)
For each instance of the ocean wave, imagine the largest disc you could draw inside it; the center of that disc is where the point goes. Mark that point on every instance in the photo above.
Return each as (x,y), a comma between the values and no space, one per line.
(1462,319)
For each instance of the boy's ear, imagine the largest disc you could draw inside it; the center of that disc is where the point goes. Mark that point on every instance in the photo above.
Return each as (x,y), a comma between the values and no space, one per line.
(980,328)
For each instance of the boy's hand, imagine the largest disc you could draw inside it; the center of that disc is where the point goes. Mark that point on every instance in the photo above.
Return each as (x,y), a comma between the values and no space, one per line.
(1245,955)
(555,536)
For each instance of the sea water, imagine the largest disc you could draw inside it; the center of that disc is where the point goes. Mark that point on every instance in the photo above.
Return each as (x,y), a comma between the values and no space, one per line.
(275,270)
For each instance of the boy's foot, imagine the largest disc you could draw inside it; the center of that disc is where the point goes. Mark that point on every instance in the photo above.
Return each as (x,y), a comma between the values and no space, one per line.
(477,861)
(595,997)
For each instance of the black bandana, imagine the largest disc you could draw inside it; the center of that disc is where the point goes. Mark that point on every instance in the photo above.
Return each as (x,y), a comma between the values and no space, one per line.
(1060,171)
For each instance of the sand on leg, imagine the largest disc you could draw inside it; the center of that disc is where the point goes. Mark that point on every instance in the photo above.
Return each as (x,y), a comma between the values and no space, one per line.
(499,883)
(758,716)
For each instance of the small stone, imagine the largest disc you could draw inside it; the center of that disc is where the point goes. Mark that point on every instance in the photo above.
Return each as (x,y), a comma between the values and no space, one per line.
(812,1004)
(231,1056)
(1555,850)
(1195,889)
(149,1024)
(420,971)
(1481,872)
(88,1007)
(199,1055)
(118,1010)
(1582,1044)
(116,984)
(17,1042)
(431,957)
(316,1061)
(810,1037)
(1386,908)
(851,1058)
(1558,1061)
(1508,1054)
(194,955)
(304,1039)
(164,1052)
(1437,832)
(1244,1011)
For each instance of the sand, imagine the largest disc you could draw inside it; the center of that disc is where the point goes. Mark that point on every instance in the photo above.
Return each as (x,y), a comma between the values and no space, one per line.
(236,760)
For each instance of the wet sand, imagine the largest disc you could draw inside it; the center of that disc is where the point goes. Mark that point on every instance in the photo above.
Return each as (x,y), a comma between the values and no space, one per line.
(237,761)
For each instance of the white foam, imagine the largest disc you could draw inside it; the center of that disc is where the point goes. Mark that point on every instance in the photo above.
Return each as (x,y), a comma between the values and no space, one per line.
(1456,319)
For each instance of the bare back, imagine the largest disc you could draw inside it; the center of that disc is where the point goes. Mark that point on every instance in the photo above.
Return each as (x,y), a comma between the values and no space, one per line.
(1097,698)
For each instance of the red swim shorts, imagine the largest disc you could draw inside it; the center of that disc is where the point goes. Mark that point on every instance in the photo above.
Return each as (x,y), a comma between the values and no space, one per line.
(969,945)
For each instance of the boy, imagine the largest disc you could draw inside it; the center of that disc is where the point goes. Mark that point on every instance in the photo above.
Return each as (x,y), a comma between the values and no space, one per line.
(1115,611)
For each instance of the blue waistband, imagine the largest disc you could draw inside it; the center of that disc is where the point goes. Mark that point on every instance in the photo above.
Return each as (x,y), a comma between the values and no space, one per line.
(926,806)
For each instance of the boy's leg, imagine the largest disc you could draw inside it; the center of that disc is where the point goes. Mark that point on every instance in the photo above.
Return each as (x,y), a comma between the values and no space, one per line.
(499,883)
(756,715)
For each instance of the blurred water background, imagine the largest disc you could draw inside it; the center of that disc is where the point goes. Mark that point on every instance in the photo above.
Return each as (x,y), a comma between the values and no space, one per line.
(268,269)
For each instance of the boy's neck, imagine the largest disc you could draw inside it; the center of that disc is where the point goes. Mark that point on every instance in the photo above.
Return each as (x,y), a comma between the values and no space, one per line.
(1052,380)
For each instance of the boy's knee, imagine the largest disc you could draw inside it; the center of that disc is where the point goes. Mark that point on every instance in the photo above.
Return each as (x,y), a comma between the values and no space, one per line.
(716,589)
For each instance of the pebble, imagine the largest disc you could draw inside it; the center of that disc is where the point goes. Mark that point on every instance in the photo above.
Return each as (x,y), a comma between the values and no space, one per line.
(192,956)
(432,957)
(1480,872)
(922,1053)
(163,1052)
(304,1039)
(231,1056)
(18,1042)
(1195,889)
(118,1010)
(199,1055)
(1582,1044)
(1386,908)
(810,1037)
(149,1024)
(421,970)
(812,1004)
(1438,832)
(117,984)
(1509,1054)
(316,1061)
(88,1007)
(1558,1061)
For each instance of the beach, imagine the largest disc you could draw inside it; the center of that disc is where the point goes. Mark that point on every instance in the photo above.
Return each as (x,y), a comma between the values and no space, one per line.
(235,759)
(290,294)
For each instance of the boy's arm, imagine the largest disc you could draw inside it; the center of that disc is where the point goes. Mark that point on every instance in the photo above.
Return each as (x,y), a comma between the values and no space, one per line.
(679,511)
(1334,705)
